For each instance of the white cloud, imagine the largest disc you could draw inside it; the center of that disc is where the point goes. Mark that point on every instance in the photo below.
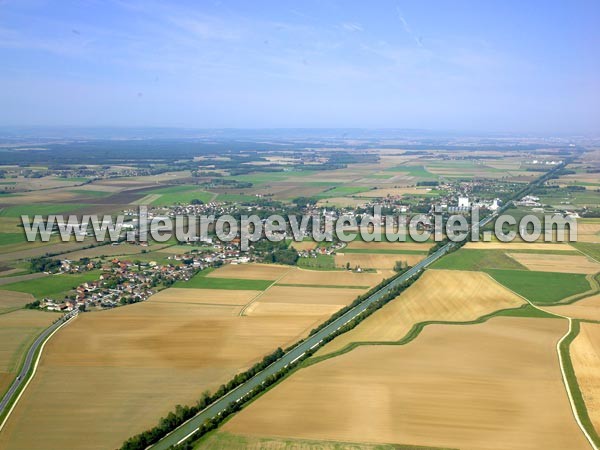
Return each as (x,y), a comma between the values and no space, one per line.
(352,27)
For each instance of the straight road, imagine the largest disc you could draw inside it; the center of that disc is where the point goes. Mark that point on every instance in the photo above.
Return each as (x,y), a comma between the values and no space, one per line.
(21,379)
(188,428)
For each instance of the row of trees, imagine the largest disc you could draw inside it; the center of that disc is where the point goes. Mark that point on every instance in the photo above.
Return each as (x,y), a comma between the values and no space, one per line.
(183,413)
(43,264)
(213,423)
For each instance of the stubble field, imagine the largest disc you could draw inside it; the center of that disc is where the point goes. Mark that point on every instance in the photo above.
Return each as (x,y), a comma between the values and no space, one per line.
(557,263)
(439,295)
(585,355)
(494,385)
(587,308)
(133,364)
(333,278)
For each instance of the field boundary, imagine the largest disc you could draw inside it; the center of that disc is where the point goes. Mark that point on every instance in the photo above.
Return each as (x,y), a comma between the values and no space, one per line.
(325,286)
(594,280)
(569,378)
(572,386)
(586,254)
(252,300)
(411,335)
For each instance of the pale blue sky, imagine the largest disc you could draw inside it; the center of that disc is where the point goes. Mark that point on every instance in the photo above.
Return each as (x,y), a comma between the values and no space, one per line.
(509,66)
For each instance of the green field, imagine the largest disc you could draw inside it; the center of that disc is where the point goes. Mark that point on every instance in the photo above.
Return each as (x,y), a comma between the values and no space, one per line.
(526,311)
(576,198)
(43,209)
(464,259)
(541,287)
(266,177)
(180,194)
(235,198)
(321,262)
(54,286)
(11,238)
(413,171)
(379,176)
(201,281)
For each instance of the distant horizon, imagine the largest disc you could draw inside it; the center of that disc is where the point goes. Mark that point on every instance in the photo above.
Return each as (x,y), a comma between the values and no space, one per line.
(174,132)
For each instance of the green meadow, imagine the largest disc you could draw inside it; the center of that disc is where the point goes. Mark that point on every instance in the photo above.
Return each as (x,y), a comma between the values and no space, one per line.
(541,287)
(179,194)
(41,208)
(201,281)
(54,286)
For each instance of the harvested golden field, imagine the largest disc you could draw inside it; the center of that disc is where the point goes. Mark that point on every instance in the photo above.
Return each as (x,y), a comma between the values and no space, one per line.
(342,202)
(293,300)
(375,260)
(497,245)
(588,231)
(587,308)
(334,277)
(585,355)
(11,299)
(309,295)
(302,300)
(321,312)
(557,263)
(439,295)
(250,271)
(18,330)
(205,296)
(131,365)
(495,385)
(362,245)
(304,245)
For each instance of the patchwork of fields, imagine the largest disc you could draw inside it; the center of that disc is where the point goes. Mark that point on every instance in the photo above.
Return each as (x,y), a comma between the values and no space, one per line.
(168,350)
(486,386)
(542,273)
(458,360)
(439,295)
